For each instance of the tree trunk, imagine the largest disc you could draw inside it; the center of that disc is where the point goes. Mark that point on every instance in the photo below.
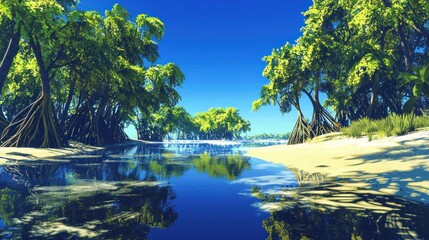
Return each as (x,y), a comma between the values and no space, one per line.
(5,65)
(322,122)
(36,125)
(405,46)
(371,111)
(302,130)
(66,109)
(9,56)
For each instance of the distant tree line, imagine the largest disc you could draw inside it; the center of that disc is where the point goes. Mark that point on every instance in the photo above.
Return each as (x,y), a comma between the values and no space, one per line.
(269,136)
(368,57)
(175,122)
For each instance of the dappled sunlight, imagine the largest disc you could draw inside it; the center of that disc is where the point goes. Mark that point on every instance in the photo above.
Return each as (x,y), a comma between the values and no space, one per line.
(344,206)
(282,179)
(45,229)
(365,206)
(129,192)
(386,166)
(96,209)
(80,189)
(125,193)
(309,222)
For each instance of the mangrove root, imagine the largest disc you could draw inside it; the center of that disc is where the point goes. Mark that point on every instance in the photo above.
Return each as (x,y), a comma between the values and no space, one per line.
(323,123)
(301,131)
(35,126)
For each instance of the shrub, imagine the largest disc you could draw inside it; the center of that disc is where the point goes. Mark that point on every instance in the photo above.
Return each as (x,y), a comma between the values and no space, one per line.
(403,124)
(392,125)
(421,121)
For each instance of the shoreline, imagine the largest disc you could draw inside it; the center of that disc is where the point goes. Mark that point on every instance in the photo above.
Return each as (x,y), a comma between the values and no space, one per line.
(395,166)
(8,154)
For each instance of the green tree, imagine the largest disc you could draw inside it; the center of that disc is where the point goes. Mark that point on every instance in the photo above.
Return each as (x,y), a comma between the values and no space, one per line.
(221,123)
(289,79)
(8,49)
(95,74)
(353,51)
(41,25)
(120,89)
(419,78)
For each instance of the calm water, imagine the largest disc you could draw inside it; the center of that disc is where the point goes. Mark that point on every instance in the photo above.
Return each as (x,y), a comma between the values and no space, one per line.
(191,191)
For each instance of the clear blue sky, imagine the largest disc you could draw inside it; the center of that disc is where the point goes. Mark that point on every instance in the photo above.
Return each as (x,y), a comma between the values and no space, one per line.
(219,44)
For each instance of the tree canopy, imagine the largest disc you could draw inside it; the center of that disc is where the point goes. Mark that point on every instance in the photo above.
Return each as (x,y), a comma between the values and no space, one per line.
(215,124)
(221,123)
(354,52)
(68,74)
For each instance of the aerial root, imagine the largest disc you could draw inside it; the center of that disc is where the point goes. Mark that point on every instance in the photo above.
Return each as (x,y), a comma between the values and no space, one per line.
(35,126)
(301,131)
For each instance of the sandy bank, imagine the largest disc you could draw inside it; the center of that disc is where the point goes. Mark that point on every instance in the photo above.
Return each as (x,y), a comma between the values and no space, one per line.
(392,166)
(12,154)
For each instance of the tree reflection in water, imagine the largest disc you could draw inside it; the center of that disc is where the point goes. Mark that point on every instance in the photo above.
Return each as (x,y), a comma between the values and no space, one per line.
(55,200)
(229,166)
(323,209)
(121,193)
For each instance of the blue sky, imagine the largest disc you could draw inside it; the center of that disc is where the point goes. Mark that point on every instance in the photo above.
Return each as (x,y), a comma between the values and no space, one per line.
(219,44)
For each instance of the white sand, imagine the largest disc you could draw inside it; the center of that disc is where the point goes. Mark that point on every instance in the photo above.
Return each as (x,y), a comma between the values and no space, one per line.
(391,166)
(12,154)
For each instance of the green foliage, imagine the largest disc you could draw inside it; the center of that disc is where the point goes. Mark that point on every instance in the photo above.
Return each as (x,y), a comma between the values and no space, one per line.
(286,80)
(175,122)
(10,204)
(230,166)
(392,125)
(360,127)
(355,52)
(420,80)
(157,125)
(221,123)
(386,127)
(402,124)
(267,136)
(99,71)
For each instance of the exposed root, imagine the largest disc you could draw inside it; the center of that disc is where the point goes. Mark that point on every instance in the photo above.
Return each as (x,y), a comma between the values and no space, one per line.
(301,131)
(114,132)
(80,127)
(3,122)
(323,123)
(87,128)
(35,126)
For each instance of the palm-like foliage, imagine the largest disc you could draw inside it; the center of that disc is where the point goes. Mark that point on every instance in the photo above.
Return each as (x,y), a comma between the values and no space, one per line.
(420,79)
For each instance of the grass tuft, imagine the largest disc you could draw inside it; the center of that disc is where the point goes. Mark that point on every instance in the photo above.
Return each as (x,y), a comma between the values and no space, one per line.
(392,125)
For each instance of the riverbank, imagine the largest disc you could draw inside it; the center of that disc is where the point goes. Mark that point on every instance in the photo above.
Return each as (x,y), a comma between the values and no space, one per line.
(81,150)
(396,166)
(17,154)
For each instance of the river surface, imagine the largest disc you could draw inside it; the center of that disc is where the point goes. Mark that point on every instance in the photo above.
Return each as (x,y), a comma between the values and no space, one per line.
(191,191)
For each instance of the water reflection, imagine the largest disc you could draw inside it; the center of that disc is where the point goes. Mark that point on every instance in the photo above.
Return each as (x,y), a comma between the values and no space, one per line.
(119,193)
(82,207)
(204,148)
(190,192)
(228,166)
(324,208)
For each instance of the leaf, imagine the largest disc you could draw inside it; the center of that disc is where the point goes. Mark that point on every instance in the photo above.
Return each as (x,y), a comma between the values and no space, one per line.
(417,89)
(426,73)
(410,105)
(406,78)
(425,89)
